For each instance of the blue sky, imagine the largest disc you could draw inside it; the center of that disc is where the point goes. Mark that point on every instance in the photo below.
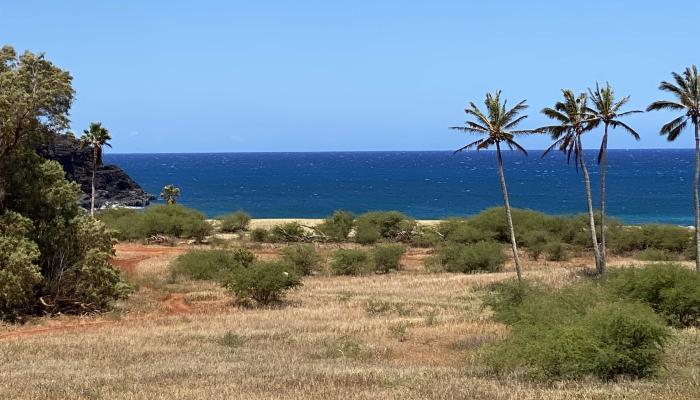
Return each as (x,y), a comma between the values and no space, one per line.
(169,76)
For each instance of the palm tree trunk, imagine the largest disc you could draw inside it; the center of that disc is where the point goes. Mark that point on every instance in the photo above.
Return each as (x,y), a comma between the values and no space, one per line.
(94,168)
(589,199)
(509,217)
(603,167)
(696,198)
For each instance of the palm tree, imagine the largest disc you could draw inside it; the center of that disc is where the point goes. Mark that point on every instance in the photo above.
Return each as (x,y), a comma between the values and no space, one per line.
(574,121)
(170,193)
(606,110)
(687,94)
(96,137)
(497,125)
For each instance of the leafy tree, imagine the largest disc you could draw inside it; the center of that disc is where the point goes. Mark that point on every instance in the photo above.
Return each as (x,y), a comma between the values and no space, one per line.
(606,110)
(96,137)
(572,114)
(498,124)
(170,194)
(686,90)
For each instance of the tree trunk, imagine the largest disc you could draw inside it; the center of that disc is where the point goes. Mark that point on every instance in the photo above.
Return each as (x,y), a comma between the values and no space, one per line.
(603,167)
(506,203)
(589,199)
(696,199)
(94,168)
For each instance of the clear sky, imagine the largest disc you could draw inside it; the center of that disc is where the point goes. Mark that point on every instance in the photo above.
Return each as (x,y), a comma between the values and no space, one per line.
(198,76)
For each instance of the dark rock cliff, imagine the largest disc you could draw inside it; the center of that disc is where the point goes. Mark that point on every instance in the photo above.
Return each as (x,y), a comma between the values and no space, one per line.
(113,187)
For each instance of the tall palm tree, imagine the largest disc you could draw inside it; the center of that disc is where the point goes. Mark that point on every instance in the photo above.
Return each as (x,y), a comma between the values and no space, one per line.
(497,125)
(574,121)
(607,111)
(686,90)
(95,137)
(170,193)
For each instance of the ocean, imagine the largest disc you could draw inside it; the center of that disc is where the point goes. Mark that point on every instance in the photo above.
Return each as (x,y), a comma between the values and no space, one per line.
(644,186)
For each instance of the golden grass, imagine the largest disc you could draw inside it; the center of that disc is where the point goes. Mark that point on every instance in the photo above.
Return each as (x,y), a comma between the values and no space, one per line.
(408,335)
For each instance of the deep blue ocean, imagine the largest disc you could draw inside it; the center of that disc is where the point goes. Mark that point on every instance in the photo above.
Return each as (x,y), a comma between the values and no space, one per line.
(643,185)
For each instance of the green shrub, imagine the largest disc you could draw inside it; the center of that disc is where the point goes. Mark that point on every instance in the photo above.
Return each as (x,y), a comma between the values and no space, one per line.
(574,332)
(288,232)
(171,220)
(259,235)
(387,257)
(669,238)
(670,289)
(235,222)
(211,264)
(556,252)
(19,272)
(426,237)
(391,225)
(264,282)
(459,230)
(656,255)
(303,257)
(481,256)
(338,226)
(350,262)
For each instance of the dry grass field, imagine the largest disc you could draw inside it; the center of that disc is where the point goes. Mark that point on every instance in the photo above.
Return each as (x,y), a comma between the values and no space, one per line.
(406,335)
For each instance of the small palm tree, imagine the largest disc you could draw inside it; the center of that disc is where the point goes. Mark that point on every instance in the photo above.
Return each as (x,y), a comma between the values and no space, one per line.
(95,137)
(606,110)
(686,90)
(497,126)
(574,121)
(170,193)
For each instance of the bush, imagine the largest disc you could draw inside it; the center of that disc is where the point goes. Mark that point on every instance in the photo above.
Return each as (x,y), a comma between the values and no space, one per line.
(338,226)
(288,232)
(574,332)
(669,238)
(386,257)
(211,264)
(264,282)
(426,237)
(19,273)
(556,252)
(235,222)
(656,255)
(459,230)
(391,225)
(302,257)
(259,235)
(481,256)
(350,262)
(670,289)
(171,220)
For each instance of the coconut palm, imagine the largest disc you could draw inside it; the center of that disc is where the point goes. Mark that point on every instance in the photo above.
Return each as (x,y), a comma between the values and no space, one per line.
(686,90)
(95,137)
(497,125)
(574,121)
(170,193)
(607,111)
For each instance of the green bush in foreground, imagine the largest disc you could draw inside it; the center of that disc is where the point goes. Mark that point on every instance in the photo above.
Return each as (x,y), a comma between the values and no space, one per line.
(574,332)
(390,225)
(235,222)
(288,232)
(259,235)
(170,220)
(302,257)
(264,282)
(211,264)
(656,255)
(670,289)
(338,226)
(481,256)
(350,262)
(387,257)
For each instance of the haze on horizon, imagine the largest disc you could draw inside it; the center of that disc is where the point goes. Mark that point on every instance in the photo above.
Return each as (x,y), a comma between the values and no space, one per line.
(220,76)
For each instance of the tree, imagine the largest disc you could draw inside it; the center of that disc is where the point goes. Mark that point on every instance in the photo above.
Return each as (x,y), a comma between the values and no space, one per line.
(96,137)
(574,121)
(498,126)
(170,194)
(606,110)
(686,90)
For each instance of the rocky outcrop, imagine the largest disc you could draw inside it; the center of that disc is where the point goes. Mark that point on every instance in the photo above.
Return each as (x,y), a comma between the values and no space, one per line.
(113,187)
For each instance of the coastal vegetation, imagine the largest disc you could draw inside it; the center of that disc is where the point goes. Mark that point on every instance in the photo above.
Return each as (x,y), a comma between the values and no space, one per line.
(96,137)
(170,193)
(236,222)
